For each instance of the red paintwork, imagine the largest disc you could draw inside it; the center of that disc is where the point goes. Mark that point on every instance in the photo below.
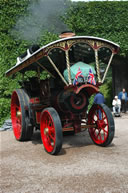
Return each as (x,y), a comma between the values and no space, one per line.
(100,133)
(16,121)
(35,100)
(116,50)
(38,114)
(90,89)
(49,138)
(75,106)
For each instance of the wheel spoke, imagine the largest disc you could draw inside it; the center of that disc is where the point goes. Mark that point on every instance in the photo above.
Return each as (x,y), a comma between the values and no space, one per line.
(17,106)
(48,140)
(93,120)
(98,134)
(52,137)
(48,131)
(52,133)
(104,118)
(105,131)
(99,115)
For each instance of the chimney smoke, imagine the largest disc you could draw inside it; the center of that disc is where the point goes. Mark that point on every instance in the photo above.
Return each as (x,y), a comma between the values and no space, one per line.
(41,16)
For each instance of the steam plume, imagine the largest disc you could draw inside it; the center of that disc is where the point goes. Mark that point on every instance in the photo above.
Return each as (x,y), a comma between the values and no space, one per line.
(42,15)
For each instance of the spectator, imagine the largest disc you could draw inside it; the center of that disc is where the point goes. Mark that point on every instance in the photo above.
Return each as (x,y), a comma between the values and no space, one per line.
(99,98)
(116,103)
(123,97)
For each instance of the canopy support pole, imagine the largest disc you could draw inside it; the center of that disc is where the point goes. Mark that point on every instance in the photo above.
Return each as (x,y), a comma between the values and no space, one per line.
(45,69)
(97,65)
(110,60)
(38,73)
(68,67)
(52,63)
(22,76)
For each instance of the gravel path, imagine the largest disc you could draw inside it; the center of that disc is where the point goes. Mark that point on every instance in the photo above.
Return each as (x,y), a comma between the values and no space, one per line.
(81,167)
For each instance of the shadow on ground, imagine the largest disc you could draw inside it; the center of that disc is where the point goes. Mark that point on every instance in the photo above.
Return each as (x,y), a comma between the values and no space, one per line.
(70,140)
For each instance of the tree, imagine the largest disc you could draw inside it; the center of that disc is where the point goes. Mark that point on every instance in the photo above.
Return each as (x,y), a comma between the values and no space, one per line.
(101,19)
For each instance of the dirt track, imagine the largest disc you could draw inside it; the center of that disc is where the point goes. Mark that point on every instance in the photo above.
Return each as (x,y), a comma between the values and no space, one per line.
(81,167)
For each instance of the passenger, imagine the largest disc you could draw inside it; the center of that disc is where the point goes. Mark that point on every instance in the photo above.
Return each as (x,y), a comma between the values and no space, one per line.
(116,103)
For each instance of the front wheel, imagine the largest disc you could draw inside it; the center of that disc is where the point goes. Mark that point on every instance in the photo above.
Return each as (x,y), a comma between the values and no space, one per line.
(51,131)
(103,132)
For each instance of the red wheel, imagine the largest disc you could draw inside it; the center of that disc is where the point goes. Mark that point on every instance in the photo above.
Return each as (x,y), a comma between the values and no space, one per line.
(20,120)
(51,131)
(103,133)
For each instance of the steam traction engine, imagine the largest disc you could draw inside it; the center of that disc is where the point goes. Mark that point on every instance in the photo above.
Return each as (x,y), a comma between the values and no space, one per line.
(60,102)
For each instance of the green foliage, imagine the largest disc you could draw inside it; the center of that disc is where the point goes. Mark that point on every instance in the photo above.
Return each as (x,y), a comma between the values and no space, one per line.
(47,37)
(91,101)
(4,109)
(106,89)
(11,48)
(103,19)
(106,19)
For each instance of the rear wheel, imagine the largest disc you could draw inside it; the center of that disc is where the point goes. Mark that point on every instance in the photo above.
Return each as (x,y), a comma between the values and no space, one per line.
(51,131)
(20,115)
(103,132)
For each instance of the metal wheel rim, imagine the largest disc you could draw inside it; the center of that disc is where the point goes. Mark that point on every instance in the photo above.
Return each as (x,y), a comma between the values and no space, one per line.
(16,116)
(100,133)
(48,132)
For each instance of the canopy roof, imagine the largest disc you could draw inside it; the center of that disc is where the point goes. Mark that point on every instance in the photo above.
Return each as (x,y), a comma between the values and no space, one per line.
(56,50)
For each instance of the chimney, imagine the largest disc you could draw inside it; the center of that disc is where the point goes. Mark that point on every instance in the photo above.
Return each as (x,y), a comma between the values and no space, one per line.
(66,34)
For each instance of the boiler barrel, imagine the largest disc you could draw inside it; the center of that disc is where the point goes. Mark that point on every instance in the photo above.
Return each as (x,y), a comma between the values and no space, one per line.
(69,101)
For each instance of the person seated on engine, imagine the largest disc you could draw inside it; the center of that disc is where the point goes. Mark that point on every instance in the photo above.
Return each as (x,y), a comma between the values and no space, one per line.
(116,103)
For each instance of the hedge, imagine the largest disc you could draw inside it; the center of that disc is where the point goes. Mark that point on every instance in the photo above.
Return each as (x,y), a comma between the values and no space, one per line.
(103,19)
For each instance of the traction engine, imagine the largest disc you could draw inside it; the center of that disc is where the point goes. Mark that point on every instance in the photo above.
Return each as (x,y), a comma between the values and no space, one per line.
(60,103)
